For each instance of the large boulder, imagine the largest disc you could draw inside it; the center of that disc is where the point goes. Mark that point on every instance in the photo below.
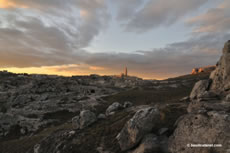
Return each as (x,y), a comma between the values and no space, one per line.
(199,88)
(142,123)
(221,76)
(200,129)
(149,144)
(206,128)
(113,108)
(85,119)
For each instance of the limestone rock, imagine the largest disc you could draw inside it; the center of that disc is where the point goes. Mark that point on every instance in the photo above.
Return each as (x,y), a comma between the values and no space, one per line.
(199,88)
(204,106)
(137,127)
(149,144)
(228,98)
(57,142)
(113,108)
(127,104)
(85,119)
(221,76)
(101,116)
(212,128)
(209,118)
(76,122)
(207,96)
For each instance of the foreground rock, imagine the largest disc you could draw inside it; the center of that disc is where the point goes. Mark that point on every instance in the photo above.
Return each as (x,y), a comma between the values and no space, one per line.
(85,119)
(210,128)
(221,76)
(149,144)
(207,124)
(199,88)
(137,127)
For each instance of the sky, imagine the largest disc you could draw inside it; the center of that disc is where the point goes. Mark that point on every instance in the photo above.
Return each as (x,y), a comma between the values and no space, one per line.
(155,39)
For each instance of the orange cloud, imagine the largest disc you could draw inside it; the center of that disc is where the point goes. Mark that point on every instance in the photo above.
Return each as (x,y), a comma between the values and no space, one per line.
(84,13)
(63,70)
(96,68)
(10,4)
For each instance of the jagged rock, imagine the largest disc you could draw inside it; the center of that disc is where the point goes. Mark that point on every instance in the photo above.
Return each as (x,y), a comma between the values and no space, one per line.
(212,128)
(137,127)
(85,119)
(113,108)
(221,76)
(207,95)
(209,118)
(204,106)
(127,104)
(149,144)
(199,88)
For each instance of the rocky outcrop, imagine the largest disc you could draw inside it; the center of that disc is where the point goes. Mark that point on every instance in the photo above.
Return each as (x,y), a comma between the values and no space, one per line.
(137,127)
(221,76)
(149,144)
(127,104)
(34,102)
(113,108)
(205,127)
(199,88)
(211,128)
(85,119)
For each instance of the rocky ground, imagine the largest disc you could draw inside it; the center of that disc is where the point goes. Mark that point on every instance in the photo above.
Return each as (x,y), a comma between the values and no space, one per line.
(106,114)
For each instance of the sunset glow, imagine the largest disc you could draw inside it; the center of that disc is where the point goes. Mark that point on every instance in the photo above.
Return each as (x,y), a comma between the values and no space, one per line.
(11,4)
(155,39)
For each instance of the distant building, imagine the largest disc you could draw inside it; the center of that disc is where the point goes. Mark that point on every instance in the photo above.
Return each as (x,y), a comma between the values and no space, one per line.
(126,71)
(125,74)
(203,69)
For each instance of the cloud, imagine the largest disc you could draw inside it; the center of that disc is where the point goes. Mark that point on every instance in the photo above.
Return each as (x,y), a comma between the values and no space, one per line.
(38,4)
(54,33)
(10,4)
(173,60)
(156,13)
(127,8)
(214,20)
(31,37)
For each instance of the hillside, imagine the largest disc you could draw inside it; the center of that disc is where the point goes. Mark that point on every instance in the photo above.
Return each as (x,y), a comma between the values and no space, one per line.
(36,108)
